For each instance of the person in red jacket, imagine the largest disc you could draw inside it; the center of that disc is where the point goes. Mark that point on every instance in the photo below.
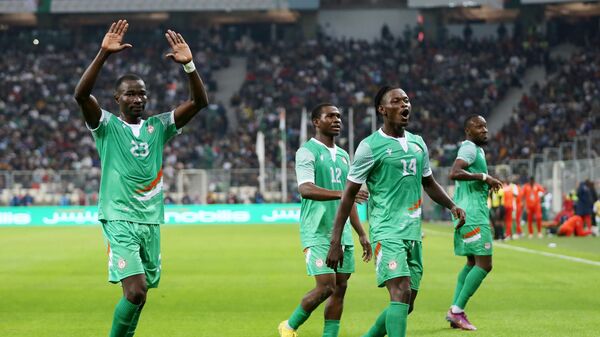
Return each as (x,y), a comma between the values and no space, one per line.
(532,194)
(574,225)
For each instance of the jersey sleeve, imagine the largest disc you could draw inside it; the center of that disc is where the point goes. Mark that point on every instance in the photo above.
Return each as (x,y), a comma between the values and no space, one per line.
(305,166)
(168,121)
(362,165)
(467,152)
(426,164)
(100,129)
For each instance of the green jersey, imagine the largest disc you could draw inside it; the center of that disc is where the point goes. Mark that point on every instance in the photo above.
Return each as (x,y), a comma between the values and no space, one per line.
(327,168)
(131,157)
(393,169)
(471,195)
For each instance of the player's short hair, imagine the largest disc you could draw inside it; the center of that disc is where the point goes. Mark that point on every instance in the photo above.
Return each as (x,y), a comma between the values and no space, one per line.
(316,111)
(379,96)
(469,119)
(126,77)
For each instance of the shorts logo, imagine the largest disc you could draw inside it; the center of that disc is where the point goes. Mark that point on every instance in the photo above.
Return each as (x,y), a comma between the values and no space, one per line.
(150,129)
(122,263)
(392,265)
(319,263)
(487,245)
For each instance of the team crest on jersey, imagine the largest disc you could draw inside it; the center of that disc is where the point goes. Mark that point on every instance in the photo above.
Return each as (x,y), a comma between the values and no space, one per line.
(321,157)
(392,265)
(389,151)
(417,148)
(122,263)
(150,129)
(344,161)
(319,263)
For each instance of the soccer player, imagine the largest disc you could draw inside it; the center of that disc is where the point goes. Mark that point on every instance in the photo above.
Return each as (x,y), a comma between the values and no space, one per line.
(510,195)
(131,151)
(321,170)
(532,193)
(474,238)
(394,164)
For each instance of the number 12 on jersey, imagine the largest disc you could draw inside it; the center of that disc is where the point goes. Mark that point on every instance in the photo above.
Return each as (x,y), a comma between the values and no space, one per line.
(336,175)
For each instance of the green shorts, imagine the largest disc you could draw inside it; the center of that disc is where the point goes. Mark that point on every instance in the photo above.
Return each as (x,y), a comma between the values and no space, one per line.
(316,256)
(397,259)
(473,240)
(133,249)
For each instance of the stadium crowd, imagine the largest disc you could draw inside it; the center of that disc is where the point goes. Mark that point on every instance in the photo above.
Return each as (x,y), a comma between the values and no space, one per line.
(566,106)
(41,128)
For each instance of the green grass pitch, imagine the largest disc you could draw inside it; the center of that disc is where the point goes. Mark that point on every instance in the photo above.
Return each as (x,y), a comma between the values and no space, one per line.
(243,280)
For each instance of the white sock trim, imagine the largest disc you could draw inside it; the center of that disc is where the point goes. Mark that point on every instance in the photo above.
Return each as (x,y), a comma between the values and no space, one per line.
(456,310)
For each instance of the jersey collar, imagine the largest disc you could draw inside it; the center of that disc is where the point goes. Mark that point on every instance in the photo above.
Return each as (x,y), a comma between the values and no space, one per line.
(402,140)
(332,150)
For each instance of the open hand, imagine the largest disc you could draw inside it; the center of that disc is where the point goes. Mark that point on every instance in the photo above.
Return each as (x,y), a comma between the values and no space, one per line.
(112,41)
(180,51)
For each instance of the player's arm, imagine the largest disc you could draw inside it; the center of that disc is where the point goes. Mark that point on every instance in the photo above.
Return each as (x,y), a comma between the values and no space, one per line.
(437,194)
(459,172)
(336,254)
(112,43)
(362,235)
(181,53)
(311,191)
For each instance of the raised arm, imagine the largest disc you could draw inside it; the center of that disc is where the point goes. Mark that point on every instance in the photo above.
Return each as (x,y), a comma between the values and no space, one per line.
(459,172)
(181,53)
(112,43)
(437,194)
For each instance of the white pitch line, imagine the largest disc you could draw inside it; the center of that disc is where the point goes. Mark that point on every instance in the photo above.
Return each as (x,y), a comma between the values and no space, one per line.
(532,251)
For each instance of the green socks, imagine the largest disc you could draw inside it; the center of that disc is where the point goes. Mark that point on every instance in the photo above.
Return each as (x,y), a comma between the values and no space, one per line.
(298,317)
(461,280)
(124,314)
(134,322)
(395,321)
(378,329)
(472,282)
(331,328)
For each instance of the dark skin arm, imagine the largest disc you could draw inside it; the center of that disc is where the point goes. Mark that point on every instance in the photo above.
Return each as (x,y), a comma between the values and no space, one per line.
(335,256)
(459,172)
(112,43)
(437,194)
(182,54)
(362,235)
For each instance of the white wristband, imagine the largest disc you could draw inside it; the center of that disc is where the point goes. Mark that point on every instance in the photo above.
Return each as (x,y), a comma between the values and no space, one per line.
(189,67)
(483,177)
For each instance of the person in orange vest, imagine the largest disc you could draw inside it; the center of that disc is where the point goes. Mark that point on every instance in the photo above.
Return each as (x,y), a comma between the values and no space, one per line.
(510,206)
(532,193)
(574,225)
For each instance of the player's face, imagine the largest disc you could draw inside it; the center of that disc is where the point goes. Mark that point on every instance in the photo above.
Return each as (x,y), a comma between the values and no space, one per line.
(330,122)
(132,98)
(478,130)
(396,107)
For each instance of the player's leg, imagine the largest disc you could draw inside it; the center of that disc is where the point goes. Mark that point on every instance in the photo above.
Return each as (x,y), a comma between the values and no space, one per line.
(462,275)
(324,286)
(335,305)
(125,266)
(151,260)
(476,242)
(393,271)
